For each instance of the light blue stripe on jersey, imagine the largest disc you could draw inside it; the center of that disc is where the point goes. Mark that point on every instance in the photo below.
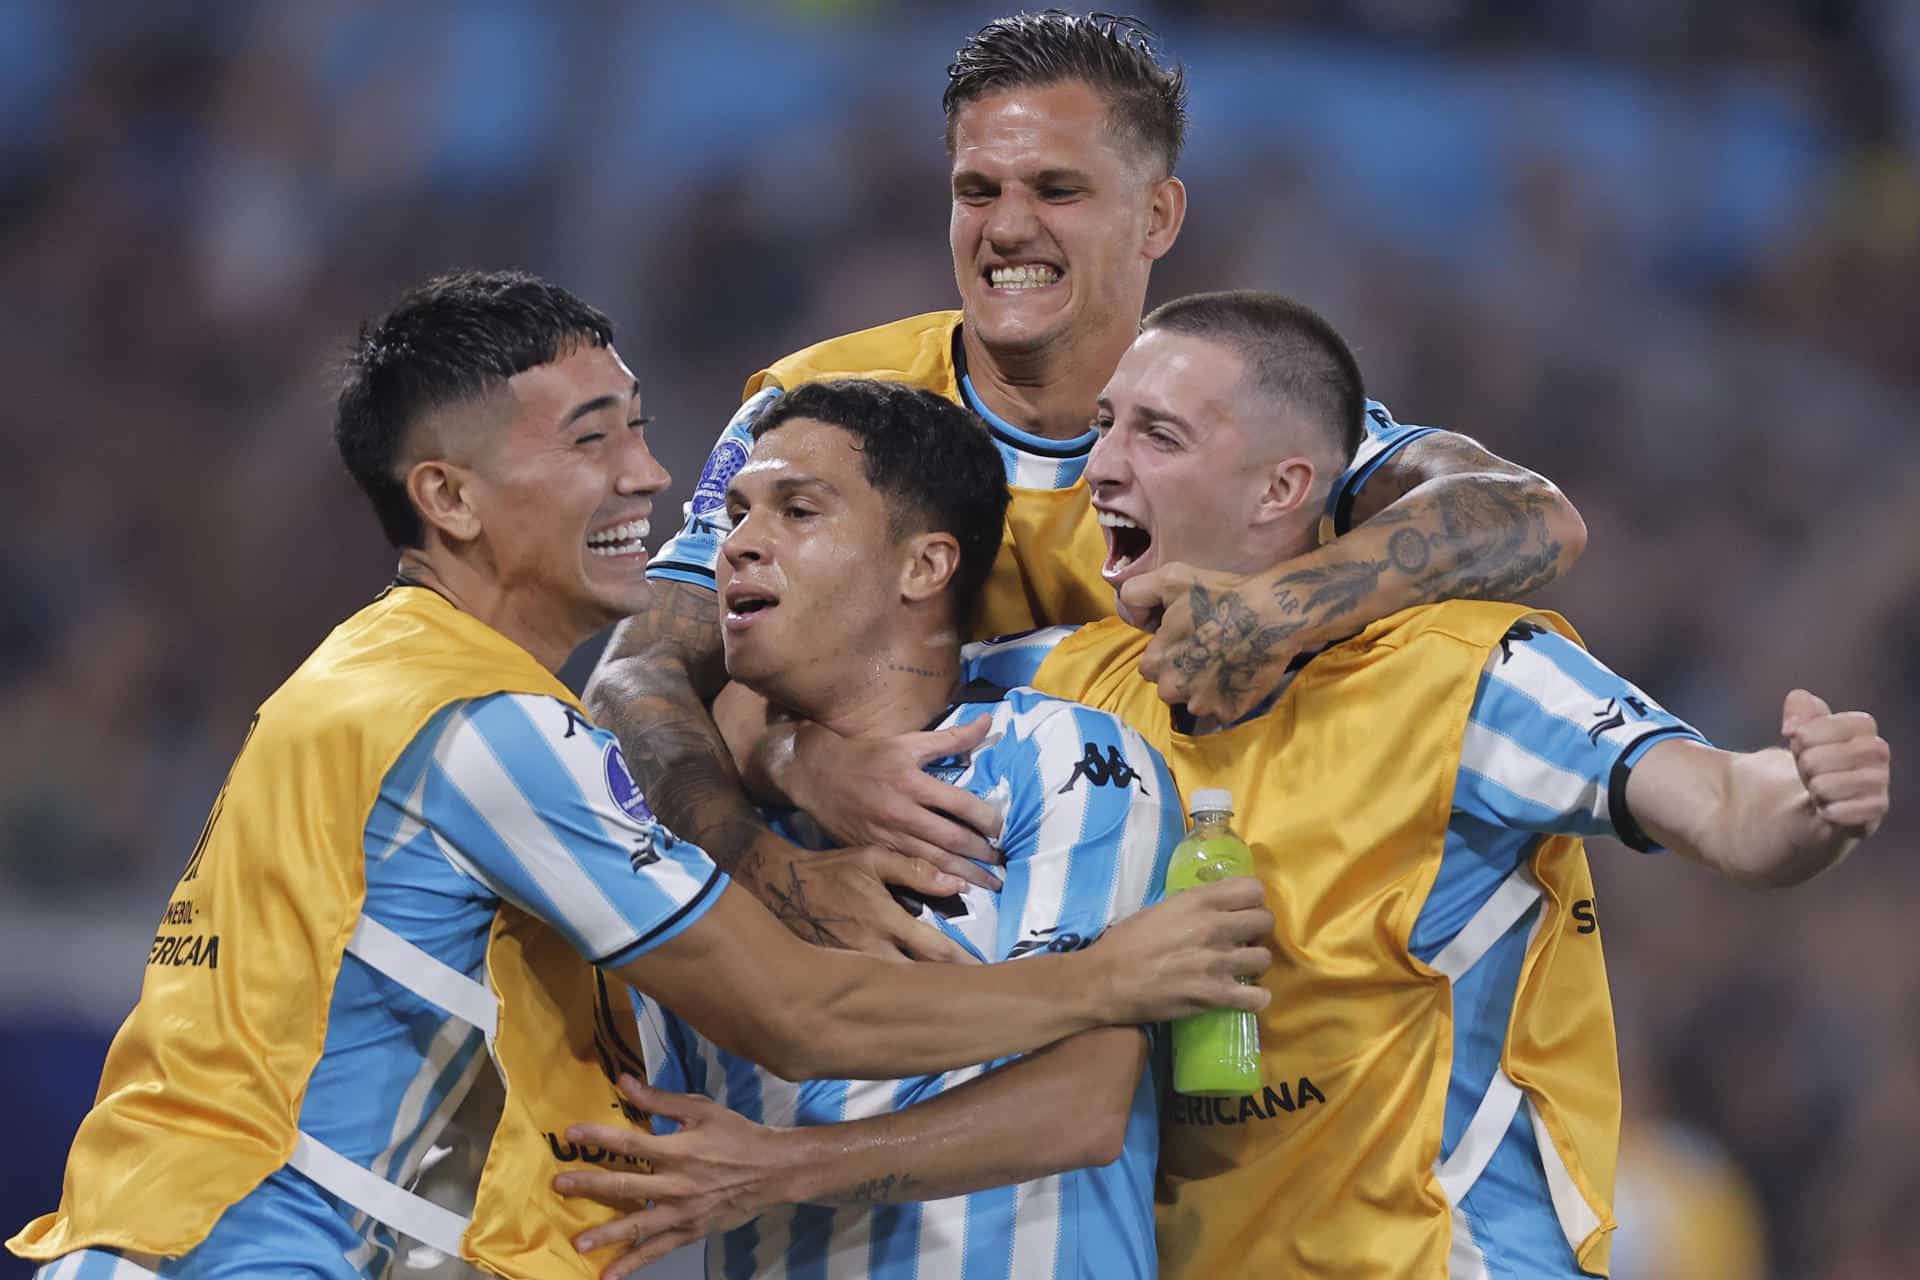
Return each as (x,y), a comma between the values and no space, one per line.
(1550,730)
(1090,815)
(1549,724)
(1011,661)
(1383,438)
(1032,462)
(393,1067)
(691,554)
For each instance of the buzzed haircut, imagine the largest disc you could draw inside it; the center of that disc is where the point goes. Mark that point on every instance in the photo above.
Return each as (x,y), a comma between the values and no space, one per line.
(1117,56)
(457,337)
(1292,356)
(932,462)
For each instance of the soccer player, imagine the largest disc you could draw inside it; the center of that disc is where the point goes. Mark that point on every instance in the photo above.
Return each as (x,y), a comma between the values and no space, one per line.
(421,799)
(1441,1087)
(863,529)
(1064,134)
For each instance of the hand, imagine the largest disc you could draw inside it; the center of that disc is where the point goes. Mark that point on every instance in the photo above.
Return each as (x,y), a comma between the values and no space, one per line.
(841,898)
(1221,643)
(1843,762)
(875,791)
(1187,954)
(716,1173)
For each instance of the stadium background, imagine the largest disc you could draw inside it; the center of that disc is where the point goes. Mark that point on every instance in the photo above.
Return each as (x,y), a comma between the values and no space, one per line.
(1666,251)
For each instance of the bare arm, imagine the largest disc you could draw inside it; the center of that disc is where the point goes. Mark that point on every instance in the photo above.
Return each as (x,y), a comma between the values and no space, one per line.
(1444,520)
(661,670)
(651,690)
(1776,817)
(1065,1107)
(806,1012)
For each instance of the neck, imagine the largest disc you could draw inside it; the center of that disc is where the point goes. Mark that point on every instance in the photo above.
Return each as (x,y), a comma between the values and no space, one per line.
(484,598)
(1051,391)
(899,690)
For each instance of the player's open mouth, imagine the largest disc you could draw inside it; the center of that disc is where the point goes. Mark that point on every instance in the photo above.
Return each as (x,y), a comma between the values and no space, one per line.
(621,540)
(745,604)
(1127,543)
(1025,275)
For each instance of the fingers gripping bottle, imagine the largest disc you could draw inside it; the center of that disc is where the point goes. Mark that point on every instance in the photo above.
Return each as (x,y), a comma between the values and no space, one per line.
(1217,1053)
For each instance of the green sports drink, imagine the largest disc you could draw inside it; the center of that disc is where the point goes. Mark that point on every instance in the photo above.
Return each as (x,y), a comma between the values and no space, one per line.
(1216,1054)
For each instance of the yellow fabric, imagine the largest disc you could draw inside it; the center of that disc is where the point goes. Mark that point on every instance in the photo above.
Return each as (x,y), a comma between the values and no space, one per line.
(1051,549)
(1343,789)
(200,1097)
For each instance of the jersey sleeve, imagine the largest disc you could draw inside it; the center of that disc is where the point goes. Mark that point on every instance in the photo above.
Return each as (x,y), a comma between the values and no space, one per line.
(528,798)
(690,555)
(1010,661)
(1092,818)
(1384,437)
(1552,739)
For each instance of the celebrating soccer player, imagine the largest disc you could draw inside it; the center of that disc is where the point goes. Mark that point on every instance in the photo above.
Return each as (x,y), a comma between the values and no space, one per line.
(1064,134)
(1441,1089)
(425,856)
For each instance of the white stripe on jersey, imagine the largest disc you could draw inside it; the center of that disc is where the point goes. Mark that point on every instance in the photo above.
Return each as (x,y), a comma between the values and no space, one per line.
(470,765)
(1036,1227)
(1533,778)
(1530,670)
(1139,852)
(446,1043)
(1063,817)
(1031,470)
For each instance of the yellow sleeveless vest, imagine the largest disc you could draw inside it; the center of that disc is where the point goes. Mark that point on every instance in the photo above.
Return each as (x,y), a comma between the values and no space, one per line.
(1051,549)
(200,1097)
(1343,789)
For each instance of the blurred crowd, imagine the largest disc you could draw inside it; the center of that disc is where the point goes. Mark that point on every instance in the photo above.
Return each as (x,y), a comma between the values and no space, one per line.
(1666,253)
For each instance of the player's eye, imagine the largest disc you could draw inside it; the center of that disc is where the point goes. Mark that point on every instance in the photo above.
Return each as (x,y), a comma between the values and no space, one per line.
(640,424)
(797,512)
(1102,422)
(590,437)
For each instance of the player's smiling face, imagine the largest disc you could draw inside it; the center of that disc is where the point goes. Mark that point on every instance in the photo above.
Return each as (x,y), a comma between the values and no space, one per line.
(1054,225)
(1173,477)
(808,576)
(564,490)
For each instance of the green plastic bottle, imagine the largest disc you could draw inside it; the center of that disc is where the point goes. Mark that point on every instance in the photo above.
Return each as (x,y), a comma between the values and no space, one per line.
(1216,1054)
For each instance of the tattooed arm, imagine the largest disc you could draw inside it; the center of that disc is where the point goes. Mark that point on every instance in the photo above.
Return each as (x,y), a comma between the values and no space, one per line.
(1444,520)
(651,690)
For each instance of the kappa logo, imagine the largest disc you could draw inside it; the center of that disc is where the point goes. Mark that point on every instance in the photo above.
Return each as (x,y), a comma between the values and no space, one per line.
(1110,770)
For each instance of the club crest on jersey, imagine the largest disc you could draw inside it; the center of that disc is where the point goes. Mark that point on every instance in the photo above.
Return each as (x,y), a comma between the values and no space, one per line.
(722,465)
(621,786)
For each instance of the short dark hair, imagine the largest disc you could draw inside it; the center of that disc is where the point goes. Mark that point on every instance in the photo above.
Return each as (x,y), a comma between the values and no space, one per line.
(1292,355)
(1116,55)
(932,462)
(456,337)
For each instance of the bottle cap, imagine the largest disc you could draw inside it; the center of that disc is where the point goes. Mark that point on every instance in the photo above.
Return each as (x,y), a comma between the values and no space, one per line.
(1211,800)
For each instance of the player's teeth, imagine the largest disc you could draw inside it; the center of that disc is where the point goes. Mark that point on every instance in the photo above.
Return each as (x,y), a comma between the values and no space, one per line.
(620,535)
(1120,565)
(1113,520)
(1030,276)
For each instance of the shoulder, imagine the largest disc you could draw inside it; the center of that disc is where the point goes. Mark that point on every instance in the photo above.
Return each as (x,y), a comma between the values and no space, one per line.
(1011,660)
(916,350)
(543,745)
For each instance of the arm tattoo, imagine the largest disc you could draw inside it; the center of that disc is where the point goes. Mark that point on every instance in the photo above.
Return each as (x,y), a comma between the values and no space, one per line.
(882,1190)
(1227,640)
(651,691)
(789,905)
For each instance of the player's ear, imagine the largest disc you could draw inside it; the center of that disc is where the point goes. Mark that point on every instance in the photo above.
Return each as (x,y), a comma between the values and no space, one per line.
(442,492)
(1289,487)
(932,560)
(1164,218)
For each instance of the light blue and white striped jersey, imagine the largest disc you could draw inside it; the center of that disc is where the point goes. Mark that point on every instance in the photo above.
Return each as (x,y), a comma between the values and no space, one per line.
(1549,744)
(1091,817)
(514,797)
(1032,462)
